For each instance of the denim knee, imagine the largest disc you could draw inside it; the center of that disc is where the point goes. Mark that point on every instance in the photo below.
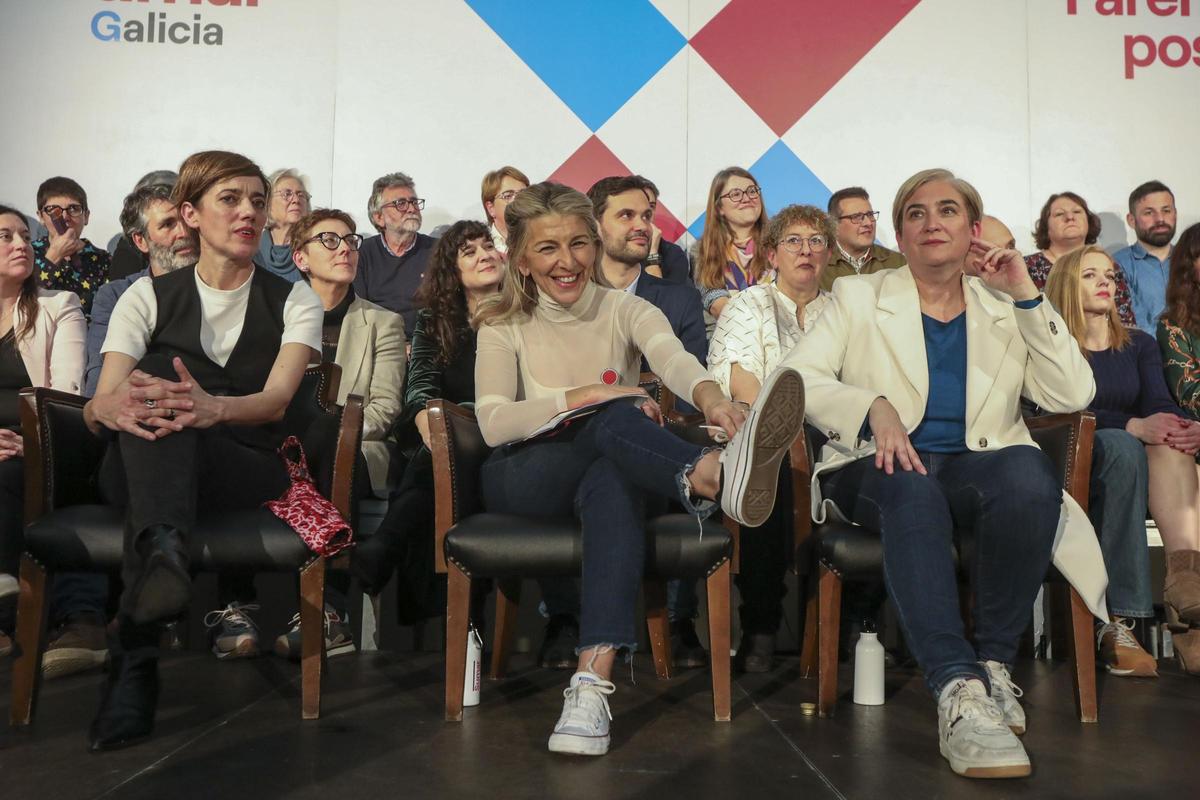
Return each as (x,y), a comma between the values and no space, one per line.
(1027,473)
(1120,452)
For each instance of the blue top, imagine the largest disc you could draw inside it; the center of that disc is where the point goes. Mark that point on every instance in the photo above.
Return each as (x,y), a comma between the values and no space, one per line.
(943,428)
(1147,279)
(102,308)
(277,258)
(1130,383)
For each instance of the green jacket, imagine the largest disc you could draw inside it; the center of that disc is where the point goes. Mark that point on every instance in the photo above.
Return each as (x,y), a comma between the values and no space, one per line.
(880,259)
(1181,363)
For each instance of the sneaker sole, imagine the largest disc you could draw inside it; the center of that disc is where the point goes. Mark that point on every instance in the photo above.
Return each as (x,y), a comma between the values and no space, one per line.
(1010,770)
(68,661)
(749,495)
(283,651)
(571,744)
(245,649)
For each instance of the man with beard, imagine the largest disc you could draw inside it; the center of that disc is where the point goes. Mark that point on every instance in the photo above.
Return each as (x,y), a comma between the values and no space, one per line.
(1146,261)
(391,265)
(152,223)
(856,252)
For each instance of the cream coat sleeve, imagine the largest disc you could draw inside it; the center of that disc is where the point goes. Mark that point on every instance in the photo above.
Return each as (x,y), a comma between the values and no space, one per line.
(1057,376)
(67,348)
(387,376)
(503,418)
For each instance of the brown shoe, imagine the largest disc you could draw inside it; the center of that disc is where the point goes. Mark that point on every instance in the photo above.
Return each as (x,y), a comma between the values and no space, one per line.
(79,645)
(1182,589)
(1187,650)
(1122,653)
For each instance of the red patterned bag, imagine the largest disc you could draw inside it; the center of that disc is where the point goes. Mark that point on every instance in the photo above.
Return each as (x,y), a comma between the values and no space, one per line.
(307,511)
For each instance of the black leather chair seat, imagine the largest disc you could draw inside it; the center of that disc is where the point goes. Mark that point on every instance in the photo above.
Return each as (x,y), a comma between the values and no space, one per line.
(856,553)
(511,546)
(90,537)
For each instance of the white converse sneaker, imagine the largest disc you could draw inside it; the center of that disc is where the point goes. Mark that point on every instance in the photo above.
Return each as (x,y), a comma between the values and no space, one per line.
(972,735)
(582,729)
(1005,693)
(750,463)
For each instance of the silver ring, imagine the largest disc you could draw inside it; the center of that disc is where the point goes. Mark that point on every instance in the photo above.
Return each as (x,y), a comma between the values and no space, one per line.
(150,403)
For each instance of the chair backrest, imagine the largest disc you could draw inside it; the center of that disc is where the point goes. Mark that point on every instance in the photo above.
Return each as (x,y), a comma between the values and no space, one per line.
(331,436)
(61,454)
(458,454)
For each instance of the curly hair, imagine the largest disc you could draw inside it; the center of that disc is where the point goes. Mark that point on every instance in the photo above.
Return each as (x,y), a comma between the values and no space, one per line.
(1041,230)
(1183,288)
(791,215)
(442,290)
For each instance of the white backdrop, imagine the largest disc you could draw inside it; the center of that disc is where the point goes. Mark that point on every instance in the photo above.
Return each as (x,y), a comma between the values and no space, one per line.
(1021,97)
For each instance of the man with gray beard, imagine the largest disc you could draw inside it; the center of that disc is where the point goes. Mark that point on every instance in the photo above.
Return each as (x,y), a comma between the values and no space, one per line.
(152,223)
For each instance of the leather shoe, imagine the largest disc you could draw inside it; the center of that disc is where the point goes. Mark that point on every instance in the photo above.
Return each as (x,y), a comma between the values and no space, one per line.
(757,652)
(686,650)
(373,561)
(163,588)
(129,699)
(559,643)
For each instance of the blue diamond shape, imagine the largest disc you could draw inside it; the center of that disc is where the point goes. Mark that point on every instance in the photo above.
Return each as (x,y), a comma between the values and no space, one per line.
(784,180)
(594,56)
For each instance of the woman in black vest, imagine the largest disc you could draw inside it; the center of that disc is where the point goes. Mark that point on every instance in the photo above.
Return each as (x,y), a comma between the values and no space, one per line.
(199,367)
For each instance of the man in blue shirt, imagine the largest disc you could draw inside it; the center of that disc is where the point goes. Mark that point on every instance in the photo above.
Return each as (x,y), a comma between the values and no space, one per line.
(1145,263)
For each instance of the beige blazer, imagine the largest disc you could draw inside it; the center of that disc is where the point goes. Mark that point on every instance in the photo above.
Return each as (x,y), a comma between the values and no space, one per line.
(371,353)
(54,352)
(870,342)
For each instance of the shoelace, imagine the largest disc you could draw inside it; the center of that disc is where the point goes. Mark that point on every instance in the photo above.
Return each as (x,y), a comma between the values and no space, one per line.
(967,702)
(1123,630)
(602,689)
(233,614)
(330,616)
(1000,678)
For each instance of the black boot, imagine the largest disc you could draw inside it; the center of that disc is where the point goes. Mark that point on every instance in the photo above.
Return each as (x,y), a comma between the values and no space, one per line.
(757,652)
(559,643)
(373,560)
(164,585)
(130,693)
(686,650)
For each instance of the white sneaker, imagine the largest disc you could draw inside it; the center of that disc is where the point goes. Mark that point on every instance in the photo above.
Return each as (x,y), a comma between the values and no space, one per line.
(972,735)
(582,729)
(9,585)
(1005,693)
(750,463)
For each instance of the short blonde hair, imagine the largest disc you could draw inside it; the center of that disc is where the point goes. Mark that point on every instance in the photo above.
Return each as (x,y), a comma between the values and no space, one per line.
(491,185)
(909,188)
(1063,291)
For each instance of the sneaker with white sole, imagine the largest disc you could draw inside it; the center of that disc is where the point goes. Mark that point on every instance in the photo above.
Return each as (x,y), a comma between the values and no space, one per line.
(9,585)
(234,634)
(338,639)
(972,735)
(750,462)
(1121,652)
(582,729)
(1006,694)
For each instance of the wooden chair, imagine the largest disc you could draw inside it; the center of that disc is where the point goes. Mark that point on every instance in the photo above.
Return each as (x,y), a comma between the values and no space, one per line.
(68,529)
(473,544)
(839,550)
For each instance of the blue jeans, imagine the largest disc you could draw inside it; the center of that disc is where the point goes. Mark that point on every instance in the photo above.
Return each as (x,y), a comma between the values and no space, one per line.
(1117,497)
(1010,498)
(600,470)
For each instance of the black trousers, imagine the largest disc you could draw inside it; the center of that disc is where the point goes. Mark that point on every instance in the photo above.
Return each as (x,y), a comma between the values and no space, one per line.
(766,552)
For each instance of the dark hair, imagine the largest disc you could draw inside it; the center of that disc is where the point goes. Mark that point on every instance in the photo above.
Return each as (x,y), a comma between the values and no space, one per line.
(137,203)
(844,194)
(27,302)
(201,171)
(60,185)
(1135,197)
(303,227)
(606,187)
(442,290)
(1041,229)
(1183,289)
(647,185)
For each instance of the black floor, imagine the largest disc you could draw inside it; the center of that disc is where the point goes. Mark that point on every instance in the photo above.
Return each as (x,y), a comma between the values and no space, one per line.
(234,730)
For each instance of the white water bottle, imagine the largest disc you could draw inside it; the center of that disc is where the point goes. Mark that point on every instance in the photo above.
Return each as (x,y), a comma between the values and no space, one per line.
(868,670)
(474,668)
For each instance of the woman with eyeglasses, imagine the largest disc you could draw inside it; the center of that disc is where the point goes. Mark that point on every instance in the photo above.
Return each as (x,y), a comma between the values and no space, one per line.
(41,344)
(289,203)
(729,256)
(200,365)
(1065,224)
(367,342)
(755,331)
(499,188)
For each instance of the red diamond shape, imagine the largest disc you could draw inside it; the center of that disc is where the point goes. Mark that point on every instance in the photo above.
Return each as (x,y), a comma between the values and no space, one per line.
(782,56)
(593,161)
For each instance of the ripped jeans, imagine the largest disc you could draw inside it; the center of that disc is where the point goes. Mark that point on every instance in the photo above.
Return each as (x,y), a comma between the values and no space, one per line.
(600,470)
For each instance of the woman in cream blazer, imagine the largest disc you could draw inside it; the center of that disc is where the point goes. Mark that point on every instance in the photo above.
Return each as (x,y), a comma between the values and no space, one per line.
(916,376)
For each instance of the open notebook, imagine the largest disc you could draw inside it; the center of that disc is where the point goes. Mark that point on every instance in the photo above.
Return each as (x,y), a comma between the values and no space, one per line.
(561,419)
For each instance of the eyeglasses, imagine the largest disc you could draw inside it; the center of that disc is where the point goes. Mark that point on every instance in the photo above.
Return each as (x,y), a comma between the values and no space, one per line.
(290,194)
(508,195)
(74,210)
(332,241)
(404,202)
(736,195)
(860,217)
(816,243)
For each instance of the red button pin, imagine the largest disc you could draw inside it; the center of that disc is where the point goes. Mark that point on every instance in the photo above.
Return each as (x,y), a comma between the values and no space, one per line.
(609,377)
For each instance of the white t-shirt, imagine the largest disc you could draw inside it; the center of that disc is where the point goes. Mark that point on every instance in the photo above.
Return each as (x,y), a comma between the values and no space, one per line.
(222,314)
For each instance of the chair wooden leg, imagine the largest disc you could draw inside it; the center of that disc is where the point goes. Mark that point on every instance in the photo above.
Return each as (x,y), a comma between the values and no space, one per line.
(458,608)
(1084,658)
(508,599)
(27,648)
(719,632)
(830,613)
(654,592)
(808,652)
(312,637)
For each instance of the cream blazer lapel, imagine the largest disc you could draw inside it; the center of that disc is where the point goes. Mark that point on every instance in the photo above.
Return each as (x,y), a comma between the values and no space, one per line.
(898,315)
(351,354)
(990,333)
